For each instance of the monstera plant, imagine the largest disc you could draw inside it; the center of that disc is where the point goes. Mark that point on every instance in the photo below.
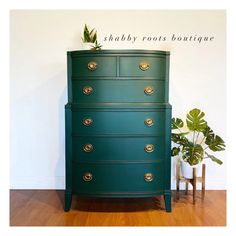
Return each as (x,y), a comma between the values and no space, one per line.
(195,139)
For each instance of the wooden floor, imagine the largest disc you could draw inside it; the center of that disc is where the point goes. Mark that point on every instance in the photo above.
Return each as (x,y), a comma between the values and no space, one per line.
(45,208)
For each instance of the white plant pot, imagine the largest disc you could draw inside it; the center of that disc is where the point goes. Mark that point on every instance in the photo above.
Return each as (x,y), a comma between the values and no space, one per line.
(187,170)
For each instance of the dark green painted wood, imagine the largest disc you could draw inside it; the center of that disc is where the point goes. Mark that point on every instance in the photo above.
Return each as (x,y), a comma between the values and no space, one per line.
(118,107)
(129,66)
(168,149)
(167,77)
(117,178)
(134,52)
(68,162)
(118,149)
(167,197)
(68,199)
(110,91)
(69,76)
(106,66)
(115,122)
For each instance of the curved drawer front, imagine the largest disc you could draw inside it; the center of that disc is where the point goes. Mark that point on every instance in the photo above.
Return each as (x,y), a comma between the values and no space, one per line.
(94,66)
(108,179)
(114,149)
(143,66)
(119,90)
(118,122)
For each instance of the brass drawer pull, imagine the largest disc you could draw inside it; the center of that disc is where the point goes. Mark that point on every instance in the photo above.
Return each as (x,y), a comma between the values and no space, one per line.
(144,66)
(87,90)
(87,121)
(92,65)
(87,177)
(149,148)
(148,177)
(88,147)
(149,122)
(149,90)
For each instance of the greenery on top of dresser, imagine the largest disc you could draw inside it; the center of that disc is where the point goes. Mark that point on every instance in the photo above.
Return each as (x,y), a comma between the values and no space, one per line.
(193,144)
(90,36)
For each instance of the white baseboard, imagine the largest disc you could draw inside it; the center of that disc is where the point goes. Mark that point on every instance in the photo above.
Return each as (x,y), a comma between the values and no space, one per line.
(54,182)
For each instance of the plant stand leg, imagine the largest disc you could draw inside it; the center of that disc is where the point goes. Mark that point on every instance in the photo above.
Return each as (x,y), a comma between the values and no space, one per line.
(203,180)
(186,187)
(68,199)
(167,198)
(194,184)
(177,180)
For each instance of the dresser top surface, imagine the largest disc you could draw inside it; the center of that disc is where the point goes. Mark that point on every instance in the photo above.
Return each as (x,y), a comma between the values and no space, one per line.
(118,52)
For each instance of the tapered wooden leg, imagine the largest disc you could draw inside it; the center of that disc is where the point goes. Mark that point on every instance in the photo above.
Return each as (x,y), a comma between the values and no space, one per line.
(194,184)
(186,187)
(68,199)
(203,180)
(167,198)
(177,180)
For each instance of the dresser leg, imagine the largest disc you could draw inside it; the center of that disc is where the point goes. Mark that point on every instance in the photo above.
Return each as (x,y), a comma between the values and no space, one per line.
(167,198)
(68,199)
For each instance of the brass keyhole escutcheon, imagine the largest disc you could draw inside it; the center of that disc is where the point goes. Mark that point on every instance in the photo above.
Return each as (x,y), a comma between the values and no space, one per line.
(92,65)
(149,122)
(87,176)
(144,66)
(87,90)
(148,177)
(149,90)
(87,121)
(149,148)
(88,147)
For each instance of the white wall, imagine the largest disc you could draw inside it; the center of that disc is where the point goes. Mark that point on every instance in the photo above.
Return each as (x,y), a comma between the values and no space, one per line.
(39,41)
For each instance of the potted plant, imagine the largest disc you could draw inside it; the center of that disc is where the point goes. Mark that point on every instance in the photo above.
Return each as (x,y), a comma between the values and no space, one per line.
(90,39)
(193,143)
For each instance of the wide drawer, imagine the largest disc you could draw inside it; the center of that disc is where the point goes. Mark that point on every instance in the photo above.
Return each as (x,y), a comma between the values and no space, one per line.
(96,179)
(118,149)
(144,66)
(94,66)
(86,122)
(119,90)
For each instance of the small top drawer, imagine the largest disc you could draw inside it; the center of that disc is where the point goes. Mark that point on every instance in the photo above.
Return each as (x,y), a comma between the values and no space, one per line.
(143,66)
(93,66)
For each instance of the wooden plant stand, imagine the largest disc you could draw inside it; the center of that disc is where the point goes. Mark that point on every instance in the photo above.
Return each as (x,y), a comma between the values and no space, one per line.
(192,181)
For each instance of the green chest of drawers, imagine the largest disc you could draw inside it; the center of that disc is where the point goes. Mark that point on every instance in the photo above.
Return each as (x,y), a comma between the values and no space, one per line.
(118,125)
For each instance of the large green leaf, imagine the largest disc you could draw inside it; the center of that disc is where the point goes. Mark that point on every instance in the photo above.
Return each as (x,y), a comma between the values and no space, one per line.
(176,123)
(194,120)
(89,36)
(175,151)
(93,35)
(215,143)
(213,158)
(179,139)
(86,38)
(193,154)
(207,131)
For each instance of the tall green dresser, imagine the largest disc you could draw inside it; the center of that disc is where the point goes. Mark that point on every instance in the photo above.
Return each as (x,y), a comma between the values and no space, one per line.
(118,125)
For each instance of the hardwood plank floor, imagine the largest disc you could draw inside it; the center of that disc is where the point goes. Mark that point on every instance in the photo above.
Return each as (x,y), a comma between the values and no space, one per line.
(45,208)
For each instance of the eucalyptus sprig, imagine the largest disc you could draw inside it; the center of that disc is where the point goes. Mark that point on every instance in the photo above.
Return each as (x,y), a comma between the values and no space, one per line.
(192,145)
